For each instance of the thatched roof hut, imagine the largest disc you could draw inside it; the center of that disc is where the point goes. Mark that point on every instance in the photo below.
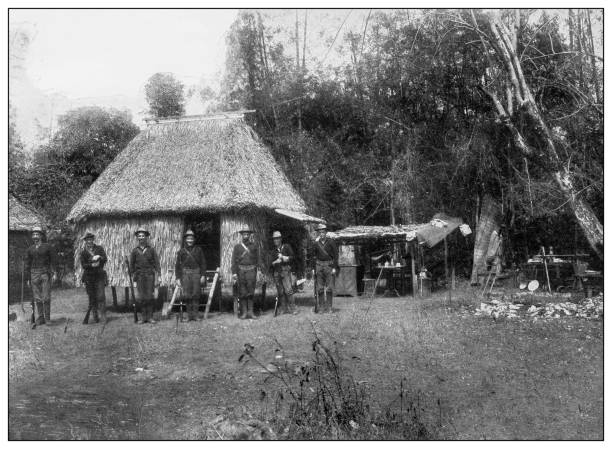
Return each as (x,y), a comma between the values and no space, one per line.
(21,217)
(212,173)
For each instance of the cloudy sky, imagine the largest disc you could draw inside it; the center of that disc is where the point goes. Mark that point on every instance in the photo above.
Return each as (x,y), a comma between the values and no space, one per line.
(85,53)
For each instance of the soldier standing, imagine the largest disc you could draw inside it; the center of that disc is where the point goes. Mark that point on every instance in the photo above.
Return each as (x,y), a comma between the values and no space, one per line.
(144,264)
(40,270)
(190,273)
(282,256)
(93,258)
(245,262)
(326,267)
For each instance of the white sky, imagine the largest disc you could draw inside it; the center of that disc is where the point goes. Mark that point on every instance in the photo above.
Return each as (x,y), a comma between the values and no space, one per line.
(91,53)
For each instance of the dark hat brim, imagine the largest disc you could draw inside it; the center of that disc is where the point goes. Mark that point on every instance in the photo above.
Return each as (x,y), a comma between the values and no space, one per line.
(146,233)
(245,231)
(89,235)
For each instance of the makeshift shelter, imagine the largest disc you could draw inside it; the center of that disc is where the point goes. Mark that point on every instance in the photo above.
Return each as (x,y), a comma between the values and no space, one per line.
(209,173)
(21,221)
(401,246)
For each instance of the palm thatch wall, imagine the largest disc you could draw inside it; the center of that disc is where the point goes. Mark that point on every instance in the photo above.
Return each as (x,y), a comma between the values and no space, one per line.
(116,235)
(215,165)
(231,224)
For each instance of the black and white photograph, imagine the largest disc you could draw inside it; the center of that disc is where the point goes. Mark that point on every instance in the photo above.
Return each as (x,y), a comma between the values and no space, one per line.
(331,224)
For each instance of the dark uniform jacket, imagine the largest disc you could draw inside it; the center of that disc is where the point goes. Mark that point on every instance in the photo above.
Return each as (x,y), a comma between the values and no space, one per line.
(191,258)
(241,256)
(90,271)
(43,257)
(326,251)
(285,250)
(144,260)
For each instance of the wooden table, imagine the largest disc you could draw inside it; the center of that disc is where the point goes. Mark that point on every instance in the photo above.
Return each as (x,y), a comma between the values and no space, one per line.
(396,276)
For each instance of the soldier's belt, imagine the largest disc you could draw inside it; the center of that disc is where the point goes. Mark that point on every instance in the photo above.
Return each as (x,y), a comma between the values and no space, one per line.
(247,267)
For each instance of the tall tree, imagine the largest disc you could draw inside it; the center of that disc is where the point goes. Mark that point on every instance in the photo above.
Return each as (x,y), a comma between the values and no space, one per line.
(518,110)
(165,95)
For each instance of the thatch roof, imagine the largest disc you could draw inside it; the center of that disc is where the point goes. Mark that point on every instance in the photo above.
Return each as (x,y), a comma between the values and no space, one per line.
(356,234)
(430,233)
(205,164)
(22,218)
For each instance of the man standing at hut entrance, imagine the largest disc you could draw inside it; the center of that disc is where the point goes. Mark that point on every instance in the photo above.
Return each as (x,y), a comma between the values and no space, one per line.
(245,262)
(144,264)
(326,267)
(40,270)
(190,273)
(93,259)
(282,256)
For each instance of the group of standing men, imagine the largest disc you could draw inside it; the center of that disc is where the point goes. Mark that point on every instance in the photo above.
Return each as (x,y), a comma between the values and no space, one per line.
(190,273)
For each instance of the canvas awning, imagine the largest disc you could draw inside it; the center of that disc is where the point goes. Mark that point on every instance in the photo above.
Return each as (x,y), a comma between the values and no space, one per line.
(436,230)
(299,216)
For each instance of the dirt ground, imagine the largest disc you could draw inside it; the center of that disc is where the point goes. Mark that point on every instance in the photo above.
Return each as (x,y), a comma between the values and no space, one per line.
(474,377)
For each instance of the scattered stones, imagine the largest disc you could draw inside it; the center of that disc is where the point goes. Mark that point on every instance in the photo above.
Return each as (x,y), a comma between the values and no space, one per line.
(588,308)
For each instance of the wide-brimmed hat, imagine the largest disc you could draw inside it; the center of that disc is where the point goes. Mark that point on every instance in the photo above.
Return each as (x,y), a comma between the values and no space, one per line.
(37,229)
(321,227)
(189,233)
(246,231)
(142,230)
(89,235)
(276,235)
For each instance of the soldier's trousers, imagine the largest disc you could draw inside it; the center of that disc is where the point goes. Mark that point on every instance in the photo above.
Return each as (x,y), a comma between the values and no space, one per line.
(145,287)
(94,286)
(41,292)
(325,285)
(190,280)
(284,289)
(247,279)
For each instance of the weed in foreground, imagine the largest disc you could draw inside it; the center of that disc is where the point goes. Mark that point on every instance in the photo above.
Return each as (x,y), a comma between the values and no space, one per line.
(319,399)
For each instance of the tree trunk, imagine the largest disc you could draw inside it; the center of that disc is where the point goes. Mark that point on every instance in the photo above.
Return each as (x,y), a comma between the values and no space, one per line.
(501,42)
(487,223)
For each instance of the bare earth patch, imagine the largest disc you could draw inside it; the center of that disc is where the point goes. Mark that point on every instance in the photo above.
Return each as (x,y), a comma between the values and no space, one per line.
(472,376)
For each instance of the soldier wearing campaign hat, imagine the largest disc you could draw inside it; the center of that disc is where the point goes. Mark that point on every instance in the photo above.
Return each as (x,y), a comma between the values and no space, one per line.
(40,271)
(282,256)
(246,260)
(190,273)
(146,272)
(93,258)
(326,267)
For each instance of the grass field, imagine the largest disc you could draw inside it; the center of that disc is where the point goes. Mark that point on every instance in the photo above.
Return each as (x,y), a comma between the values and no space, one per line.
(470,377)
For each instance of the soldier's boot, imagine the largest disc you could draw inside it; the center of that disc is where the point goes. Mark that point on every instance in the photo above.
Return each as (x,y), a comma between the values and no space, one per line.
(321,296)
(192,311)
(95,315)
(243,308)
(250,314)
(102,309)
(40,313)
(47,310)
(292,308)
(329,301)
(150,312)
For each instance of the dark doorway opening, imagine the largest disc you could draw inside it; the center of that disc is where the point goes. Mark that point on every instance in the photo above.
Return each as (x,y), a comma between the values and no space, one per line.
(207,229)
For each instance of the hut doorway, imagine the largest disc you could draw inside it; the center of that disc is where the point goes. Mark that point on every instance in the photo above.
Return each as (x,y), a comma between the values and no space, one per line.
(207,229)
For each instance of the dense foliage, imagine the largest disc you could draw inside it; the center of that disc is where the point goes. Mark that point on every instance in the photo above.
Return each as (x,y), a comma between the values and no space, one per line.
(405,128)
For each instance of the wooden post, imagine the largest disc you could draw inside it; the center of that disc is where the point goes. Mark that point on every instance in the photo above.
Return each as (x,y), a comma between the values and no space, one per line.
(114,293)
(126,296)
(414,278)
(446,269)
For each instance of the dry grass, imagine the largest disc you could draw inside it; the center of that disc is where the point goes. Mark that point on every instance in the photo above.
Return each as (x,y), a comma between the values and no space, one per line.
(471,377)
